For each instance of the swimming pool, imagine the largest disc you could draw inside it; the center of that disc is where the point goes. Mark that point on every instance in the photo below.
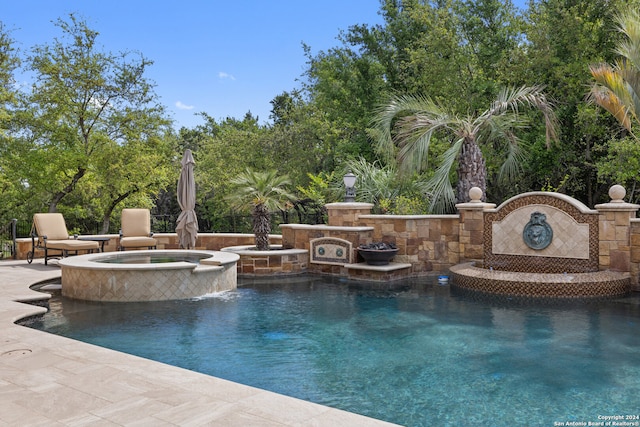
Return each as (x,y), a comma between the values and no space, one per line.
(153,258)
(418,355)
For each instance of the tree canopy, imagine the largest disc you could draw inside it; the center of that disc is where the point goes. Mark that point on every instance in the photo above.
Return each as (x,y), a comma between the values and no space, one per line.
(89,135)
(90,128)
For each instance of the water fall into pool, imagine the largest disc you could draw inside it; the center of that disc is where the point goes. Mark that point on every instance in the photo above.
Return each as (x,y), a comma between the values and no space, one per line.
(418,355)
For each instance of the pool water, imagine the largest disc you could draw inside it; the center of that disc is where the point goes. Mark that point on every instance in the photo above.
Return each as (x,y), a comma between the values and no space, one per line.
(420,355)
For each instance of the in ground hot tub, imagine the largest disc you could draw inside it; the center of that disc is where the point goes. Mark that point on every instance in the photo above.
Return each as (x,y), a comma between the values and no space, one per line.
(152,275)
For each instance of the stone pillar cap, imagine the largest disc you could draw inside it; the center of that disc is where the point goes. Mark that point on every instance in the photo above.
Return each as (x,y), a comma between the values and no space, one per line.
(617,203)
(617,193)
(475,201)
(475,195)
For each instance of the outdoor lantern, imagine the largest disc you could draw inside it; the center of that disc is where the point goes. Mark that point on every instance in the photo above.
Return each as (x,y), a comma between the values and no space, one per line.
(349,183)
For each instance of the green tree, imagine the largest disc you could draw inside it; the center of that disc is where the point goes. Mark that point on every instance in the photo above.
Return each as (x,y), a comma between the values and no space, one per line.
(342,88)
(224,151)
(262,193)
(453,50)
(10,186)
(458,53)
(563,37)
(9,62)
(130,175)
(621,165)
(83,101)
(407,125)
(617,85)
(304,135)
(617,90)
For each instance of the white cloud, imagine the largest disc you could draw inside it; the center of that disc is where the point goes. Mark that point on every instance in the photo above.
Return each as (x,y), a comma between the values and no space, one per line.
(224,75)
(182,106)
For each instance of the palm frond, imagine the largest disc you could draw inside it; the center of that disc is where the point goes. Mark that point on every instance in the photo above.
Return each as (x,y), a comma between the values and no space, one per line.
(414,119)
(443,196)
(374,182)
(501,131)
(253,188)
(631,77)
(610,93)
(414,138)
(407,125)
(511,99)
(617,86)
(629,25)
(514,158)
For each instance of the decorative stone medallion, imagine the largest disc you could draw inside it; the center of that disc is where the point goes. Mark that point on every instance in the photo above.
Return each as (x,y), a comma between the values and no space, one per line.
(329,250)
(537,234)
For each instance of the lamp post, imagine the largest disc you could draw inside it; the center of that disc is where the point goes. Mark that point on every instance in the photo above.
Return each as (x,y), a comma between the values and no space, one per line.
(349,183)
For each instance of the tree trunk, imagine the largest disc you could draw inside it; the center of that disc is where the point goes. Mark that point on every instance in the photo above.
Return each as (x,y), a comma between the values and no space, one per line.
(106,218)
(261,227)
(471,170)
(53,204)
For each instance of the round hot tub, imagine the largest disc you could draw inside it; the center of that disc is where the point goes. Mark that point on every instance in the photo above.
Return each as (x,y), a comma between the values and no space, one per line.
(151,275)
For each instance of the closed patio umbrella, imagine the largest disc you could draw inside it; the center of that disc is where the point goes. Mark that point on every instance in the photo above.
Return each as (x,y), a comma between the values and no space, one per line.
(187,224)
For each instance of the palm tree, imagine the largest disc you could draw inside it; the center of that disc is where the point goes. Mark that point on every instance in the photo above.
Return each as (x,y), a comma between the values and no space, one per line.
(405,128)
(617,86)
(261,192)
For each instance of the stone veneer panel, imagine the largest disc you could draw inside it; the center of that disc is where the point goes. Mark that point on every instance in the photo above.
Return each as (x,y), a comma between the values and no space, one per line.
(428,242)
(544,261)
(378,273)
(274,262)
(570,238)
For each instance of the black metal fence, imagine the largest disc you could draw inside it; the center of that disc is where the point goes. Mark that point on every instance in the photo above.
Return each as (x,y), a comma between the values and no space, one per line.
(8,239)
(166,223)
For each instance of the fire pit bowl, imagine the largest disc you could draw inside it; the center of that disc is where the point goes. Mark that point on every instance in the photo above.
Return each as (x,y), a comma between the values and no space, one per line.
(379,253)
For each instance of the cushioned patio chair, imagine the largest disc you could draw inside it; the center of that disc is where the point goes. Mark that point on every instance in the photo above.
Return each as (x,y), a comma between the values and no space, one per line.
(136,230)
(49,233)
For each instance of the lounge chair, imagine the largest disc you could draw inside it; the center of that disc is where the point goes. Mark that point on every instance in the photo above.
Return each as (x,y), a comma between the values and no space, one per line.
(136,230)
(49,233)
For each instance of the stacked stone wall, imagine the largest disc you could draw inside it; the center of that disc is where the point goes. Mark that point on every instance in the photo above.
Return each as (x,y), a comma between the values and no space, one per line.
(430,243)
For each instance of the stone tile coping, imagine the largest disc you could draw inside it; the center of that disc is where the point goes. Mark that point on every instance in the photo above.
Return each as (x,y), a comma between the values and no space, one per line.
(392,266)
(568,199)
(276,250)
(49,380)
(469,270)
(89,261)
(321,227)
(408,217)
(349,205)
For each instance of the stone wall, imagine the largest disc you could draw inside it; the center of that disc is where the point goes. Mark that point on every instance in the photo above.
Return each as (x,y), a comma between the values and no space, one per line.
(430,243)
(299,236)
(618,239)
(435,243)
(273,262)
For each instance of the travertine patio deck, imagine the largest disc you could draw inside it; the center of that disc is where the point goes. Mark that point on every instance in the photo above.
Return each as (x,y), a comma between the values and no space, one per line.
(48,380)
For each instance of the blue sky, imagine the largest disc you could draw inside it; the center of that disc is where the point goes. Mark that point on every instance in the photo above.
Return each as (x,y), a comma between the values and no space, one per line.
(221,57)
(224,58)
